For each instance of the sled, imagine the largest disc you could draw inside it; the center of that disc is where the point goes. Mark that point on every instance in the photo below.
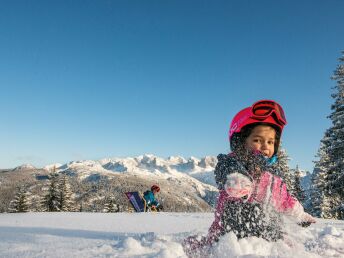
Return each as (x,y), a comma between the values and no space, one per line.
(136,201)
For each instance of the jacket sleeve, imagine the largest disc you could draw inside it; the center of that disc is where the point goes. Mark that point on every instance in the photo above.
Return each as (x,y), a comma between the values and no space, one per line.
(149,197)
(155,202)
(283,201)
(216,228)
(227,164)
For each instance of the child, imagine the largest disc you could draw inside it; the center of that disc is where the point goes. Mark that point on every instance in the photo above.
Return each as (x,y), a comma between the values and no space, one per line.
(150,199)
(252,194)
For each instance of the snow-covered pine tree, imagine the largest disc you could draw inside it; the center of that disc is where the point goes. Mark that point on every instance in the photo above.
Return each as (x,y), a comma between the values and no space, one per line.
(81,208)
(111,205)
(66,195)
(298,191)
(336,150)
(51,201)
(21,201)
(319,194)
(283,159)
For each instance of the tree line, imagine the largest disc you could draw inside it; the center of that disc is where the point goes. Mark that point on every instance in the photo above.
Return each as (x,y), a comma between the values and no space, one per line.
(324,198)
(327,192)
(58,197)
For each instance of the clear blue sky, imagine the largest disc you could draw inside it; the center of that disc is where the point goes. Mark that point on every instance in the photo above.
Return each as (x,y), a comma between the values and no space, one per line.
(96,79)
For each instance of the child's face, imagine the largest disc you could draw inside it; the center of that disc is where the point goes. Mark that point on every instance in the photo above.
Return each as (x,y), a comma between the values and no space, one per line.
(262,138)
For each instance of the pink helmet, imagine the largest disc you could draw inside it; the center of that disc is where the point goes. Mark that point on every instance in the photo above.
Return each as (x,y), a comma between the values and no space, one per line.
(263,111)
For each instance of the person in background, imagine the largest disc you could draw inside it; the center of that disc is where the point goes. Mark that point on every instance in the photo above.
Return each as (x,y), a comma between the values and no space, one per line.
(151,202)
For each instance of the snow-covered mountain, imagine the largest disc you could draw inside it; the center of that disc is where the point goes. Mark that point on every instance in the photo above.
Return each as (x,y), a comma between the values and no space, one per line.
(192,175)
(24,167)
(175,167)
(52,167)
(187,184)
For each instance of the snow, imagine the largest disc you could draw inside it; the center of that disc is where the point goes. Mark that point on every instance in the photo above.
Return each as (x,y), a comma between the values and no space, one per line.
(52,167)
(146,164)
(194,173)
(151,235)
(24,167)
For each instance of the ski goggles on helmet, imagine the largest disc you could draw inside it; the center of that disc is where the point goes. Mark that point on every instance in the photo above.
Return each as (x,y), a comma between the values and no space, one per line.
(265,108)
(264,111)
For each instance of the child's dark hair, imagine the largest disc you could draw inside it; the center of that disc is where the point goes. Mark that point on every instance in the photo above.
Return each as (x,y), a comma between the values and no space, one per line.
(237,143)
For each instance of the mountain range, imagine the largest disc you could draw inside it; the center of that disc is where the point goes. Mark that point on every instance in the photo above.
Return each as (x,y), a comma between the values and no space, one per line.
(186,184)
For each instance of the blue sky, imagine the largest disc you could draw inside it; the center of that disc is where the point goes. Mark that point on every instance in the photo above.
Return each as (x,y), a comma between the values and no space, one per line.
(96,79)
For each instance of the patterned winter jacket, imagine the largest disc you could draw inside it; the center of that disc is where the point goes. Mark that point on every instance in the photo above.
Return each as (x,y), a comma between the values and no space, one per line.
(150,199)
(269,196)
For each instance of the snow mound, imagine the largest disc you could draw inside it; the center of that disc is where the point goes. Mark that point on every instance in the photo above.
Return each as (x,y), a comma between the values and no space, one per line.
(152,235)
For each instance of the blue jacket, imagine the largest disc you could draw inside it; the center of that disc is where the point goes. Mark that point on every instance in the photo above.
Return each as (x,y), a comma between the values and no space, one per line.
(150,199)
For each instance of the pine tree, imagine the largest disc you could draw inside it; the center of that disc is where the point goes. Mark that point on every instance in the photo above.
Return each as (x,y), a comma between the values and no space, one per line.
(21,202)
(81,208)
(328,178)
(326,209)
(65,195)
(336,149)
(298,191)
(111,205)
(319,194)
(283,165)
(51,201)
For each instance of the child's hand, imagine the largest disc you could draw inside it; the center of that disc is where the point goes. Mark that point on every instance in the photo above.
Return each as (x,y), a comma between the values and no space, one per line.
(238,186)
(308,218)
(304,224)
(238,193)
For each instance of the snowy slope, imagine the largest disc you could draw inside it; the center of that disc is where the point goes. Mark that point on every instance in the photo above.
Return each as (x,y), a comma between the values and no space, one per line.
(195,173)
(24,167)
(187,184)
(150,235)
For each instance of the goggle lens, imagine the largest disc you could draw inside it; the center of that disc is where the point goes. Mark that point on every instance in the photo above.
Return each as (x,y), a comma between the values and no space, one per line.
(263,109)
